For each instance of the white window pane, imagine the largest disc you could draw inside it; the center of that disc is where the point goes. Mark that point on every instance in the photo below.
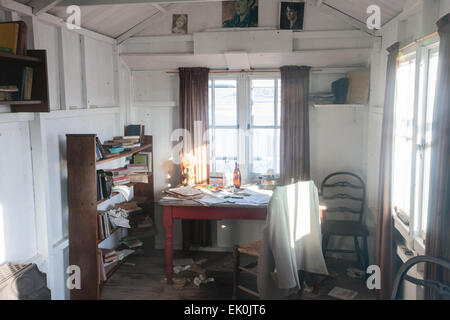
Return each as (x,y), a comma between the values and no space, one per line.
(210,102)
(279,103)
(403,132)
(432,79)
(265,151)
(225,102)
(224,146)
(263,102)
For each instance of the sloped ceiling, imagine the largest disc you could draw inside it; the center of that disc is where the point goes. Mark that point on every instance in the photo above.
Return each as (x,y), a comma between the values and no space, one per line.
(114,20)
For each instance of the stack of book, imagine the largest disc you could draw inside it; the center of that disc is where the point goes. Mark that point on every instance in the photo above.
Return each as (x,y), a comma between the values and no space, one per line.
(108,259)
(129,207)
(120,176)
(140,168)
(109,256)
(127,142)
(131,242)
(105,225)
(322,98)
(8,93)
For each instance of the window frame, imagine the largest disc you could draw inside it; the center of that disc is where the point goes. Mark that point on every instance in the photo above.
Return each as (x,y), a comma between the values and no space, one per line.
(413,234)
(244,109)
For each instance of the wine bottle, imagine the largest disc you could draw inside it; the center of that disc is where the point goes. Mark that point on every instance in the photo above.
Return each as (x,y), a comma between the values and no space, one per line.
(237,176)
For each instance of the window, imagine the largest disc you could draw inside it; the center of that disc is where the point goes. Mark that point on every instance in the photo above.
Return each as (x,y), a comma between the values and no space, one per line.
(265,126)
(245,124)
(223,123)
(416,85)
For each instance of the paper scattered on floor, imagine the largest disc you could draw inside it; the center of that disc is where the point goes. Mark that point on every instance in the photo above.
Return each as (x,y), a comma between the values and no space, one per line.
(178,269)
(188,265)
(355,273)
(179,283)
(343,294)
(201,279)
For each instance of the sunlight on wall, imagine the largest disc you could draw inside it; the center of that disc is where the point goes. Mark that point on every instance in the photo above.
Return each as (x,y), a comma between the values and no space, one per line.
(2,237)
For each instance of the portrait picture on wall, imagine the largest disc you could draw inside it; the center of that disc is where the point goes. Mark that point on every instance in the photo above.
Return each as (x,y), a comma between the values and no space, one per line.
(240,14)
(291,15)
(180,24)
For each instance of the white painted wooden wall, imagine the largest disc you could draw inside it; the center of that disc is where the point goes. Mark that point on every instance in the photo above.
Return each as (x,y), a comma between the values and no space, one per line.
(83,72)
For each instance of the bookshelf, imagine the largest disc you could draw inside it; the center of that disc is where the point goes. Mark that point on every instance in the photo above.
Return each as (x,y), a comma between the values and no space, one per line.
(12,72)
(83,204)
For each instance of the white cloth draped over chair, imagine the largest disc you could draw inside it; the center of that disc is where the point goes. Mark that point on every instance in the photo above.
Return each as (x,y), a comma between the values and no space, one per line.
(292,240)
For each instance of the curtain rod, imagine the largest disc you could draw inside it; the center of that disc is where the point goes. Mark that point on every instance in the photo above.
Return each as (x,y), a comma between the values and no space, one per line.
(418,40)
(247,71)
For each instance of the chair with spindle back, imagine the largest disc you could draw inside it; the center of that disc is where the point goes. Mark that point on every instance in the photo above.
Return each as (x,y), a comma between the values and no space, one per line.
(345,187)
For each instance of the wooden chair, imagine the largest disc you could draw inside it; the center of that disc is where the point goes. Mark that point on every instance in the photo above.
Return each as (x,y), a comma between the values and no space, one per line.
(441,288)
(345,187)
(251,249)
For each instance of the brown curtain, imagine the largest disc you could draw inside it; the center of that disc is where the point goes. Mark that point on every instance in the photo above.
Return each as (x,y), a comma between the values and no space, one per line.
(438,230)
(194,118)
(294,154)
(384,221)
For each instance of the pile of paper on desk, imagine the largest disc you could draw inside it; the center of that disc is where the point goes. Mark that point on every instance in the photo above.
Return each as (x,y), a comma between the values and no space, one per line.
(184,193)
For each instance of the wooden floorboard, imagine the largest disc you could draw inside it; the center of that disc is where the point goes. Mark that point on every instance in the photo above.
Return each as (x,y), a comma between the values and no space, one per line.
(145,280)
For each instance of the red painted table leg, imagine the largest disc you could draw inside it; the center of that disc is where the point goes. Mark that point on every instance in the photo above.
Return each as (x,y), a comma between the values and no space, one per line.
(186,235)
(168,228)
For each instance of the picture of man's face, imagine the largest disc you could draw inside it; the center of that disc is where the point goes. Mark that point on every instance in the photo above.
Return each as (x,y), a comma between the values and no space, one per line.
(181,21)
(242,6)
(291,14)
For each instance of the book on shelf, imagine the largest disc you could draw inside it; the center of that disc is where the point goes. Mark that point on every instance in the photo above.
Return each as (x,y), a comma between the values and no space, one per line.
(147,222)
(129,207)
(8,93)
(98,153)
(137,168)
(9,37)
(13,37)
(143,158)
(101,267)
(109,256)
(26,84)
(138,177)
(131,242)
(134,130)
(104,184)
(105,226)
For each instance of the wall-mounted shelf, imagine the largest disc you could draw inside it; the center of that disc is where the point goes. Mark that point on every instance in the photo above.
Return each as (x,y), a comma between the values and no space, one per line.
(12,66)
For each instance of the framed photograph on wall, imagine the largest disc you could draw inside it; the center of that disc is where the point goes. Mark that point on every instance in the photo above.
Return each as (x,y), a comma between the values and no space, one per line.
(240,14)
(180,24)
(292,15)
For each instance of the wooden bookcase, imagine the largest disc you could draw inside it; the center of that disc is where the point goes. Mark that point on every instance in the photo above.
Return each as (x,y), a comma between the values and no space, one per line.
(82,200)
(11,66)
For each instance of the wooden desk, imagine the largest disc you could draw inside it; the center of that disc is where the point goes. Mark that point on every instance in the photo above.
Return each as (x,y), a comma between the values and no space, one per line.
(191,210)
